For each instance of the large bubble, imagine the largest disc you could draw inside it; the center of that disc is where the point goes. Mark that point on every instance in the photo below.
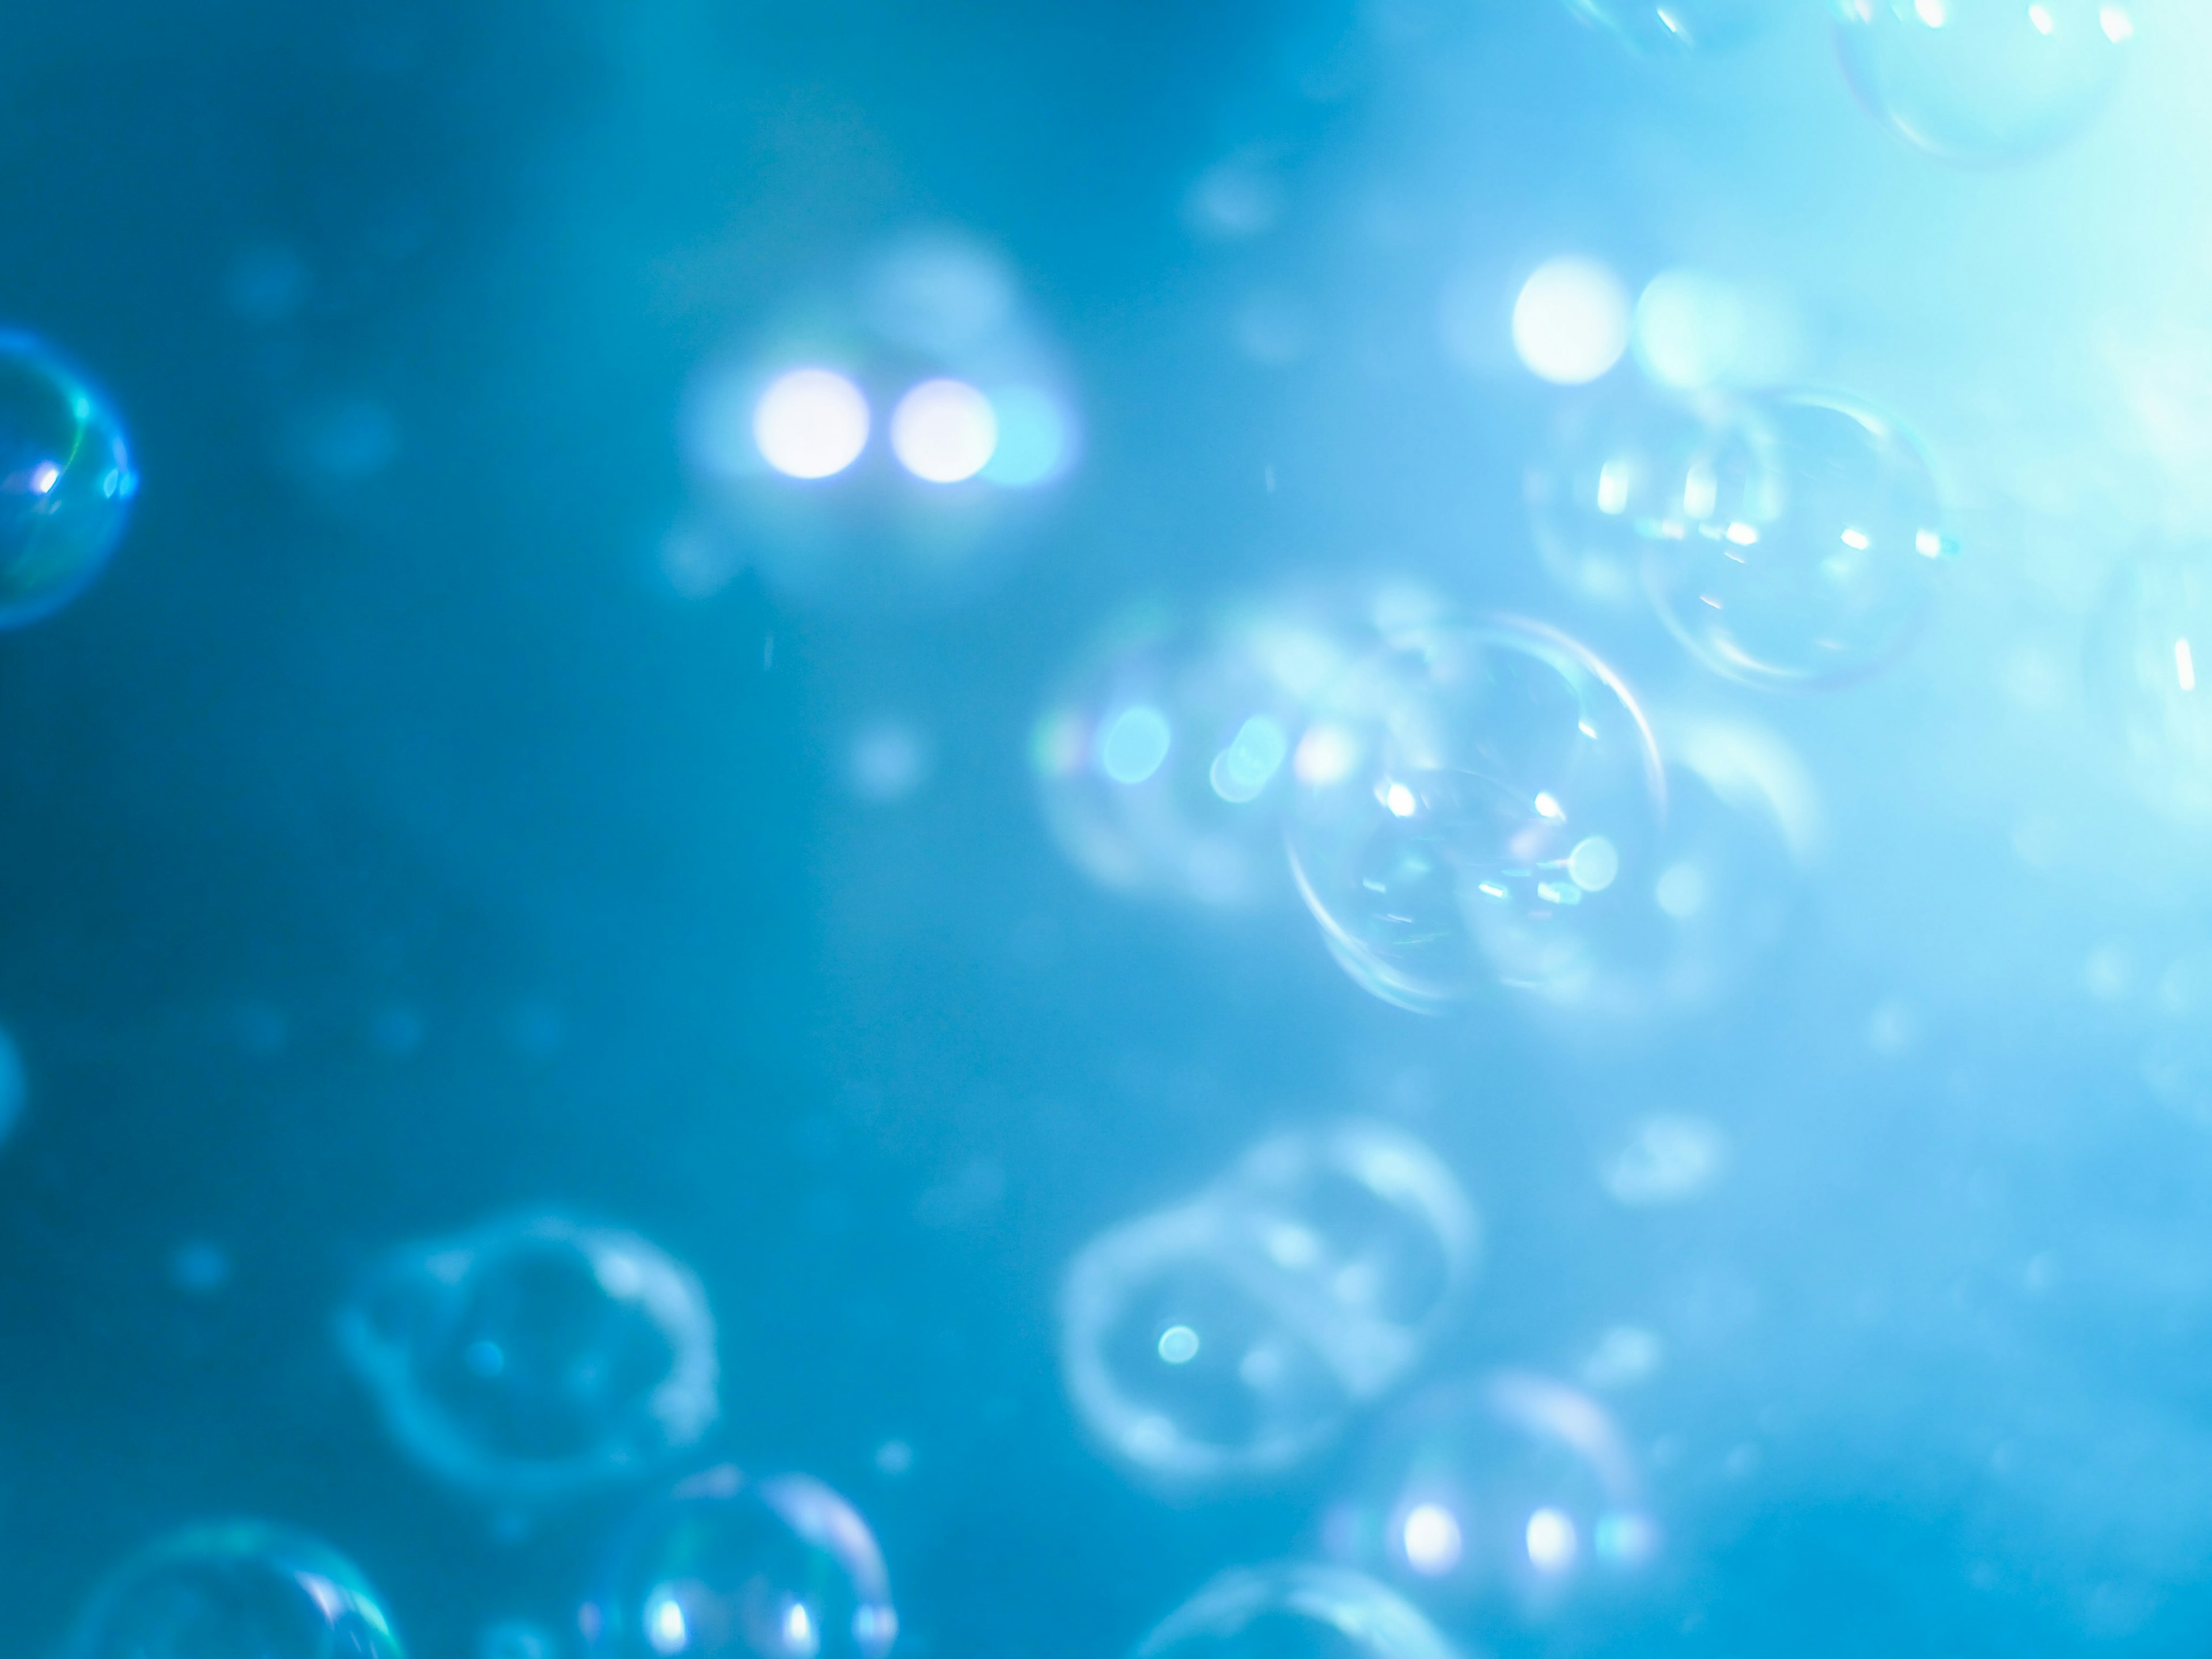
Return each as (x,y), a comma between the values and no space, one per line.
(728,1565)
(239,1589)
(531,1358)
(1672,26)
(1234,1334)
(66,481)
(1803,543)
(1295,1610)
(1498,1504)
(2150,649)
(1163,762)
(1471,802)
(1984,81)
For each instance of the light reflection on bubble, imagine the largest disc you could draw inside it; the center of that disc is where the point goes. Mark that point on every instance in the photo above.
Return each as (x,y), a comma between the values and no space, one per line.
(810,423)
(1295,1610)
(2150,650)
(1609,475)
(1571,322)
(66,481)
(1668,27)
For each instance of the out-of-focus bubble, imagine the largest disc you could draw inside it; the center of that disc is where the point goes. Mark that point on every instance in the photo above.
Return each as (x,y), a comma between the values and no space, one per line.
(943,431)
(1571,322)
(1163,761)
(1693,329)
(1232,1335)
(1609,476)
(14,1088)
(1984,81)
(938,293)
(2177,1054)
(1470,804)
(888,761)
(2150,674)
(780,1568)
(810,423)
(199,1266)
(1803,543)
(1625,1356)
(1036,439)
(1499,1505)
(232,1588)
(66,481)
(1666,1160)
(1672,26)
(1295,1610)
(1238,198)
(517,1638)
(529,1359)
(343,439)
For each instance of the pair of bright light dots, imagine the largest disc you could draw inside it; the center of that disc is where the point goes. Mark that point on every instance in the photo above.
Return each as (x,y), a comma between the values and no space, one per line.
(813,424)
(2114,20)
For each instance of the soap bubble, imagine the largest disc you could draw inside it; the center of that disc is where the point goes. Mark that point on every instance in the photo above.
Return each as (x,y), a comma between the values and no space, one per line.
(1472,802)
(1802,546)
(1232,1334)
(1295,1610)
(529,1359)
(2150,672)
(1672,26)
(1610,475)
(781,1568)
(1984,81)
(232,1588)
(1162,762)
(66,482)
(1498,1504)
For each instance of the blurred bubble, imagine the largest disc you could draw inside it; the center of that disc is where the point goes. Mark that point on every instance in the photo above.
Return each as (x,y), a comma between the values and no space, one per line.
(810,423)
(1672,26)
(1802,545)
(15,1087)
(2150,650)
(1499,1505)
(938,293)
(1036,438)
(528,1358)
(1984,81)
(66,481)
(1667,1160)
(1694,329)
(781,1568)
(199,1267)
(343,439)
(888,761)
(943,431)
(1471,803)
(266,283)
(1625,1355)
(1238,198)
(517,1638)
(1162,761)
(1571,322)
(1609,477)
(232,1588)
(1232,1334)
(1295,1610)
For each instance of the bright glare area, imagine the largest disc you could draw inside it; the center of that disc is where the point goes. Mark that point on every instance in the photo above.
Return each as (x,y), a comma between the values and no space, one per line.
(943,431)
(1136,743)
(1552,1540)
(1571,322)
(1178,1345)
(810,423)
(1593,864)
(1241,770)
(665,1626)
(1432,1539)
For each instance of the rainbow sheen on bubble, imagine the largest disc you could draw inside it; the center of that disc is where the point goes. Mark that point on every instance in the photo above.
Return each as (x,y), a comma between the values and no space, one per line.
(66,481)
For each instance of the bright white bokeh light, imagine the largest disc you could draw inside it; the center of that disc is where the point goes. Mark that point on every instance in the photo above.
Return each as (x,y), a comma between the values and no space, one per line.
(1552,1540)
(943,431)
(1571,324)
(810,423)
(1432,1538)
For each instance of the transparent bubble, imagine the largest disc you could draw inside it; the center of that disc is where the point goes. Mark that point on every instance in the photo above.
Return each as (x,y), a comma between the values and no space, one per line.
(781,1568)
(1984,81)
(1295,1610)
(532,1357)
(1608,478)
(2150,649)
(1499,1505)
(66,482)
(1672,26)
(1162,762)
(1472,802)
(1233,1334)
(239,1589)
(1803,543)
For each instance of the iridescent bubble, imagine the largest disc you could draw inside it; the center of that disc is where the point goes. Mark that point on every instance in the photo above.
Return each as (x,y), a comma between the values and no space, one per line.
(780,1568)
(1471,803)
(1231,1336)
(1498,1505)
(232,1588)
(1295,1610)
(529,1359)
(1162,762)
(1984,81)
(2150,653)
(1802,544)
(1672,26)
(66,481)
(1608,477)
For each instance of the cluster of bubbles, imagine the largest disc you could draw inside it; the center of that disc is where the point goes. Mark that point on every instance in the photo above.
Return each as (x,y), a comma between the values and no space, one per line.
(1234,1334)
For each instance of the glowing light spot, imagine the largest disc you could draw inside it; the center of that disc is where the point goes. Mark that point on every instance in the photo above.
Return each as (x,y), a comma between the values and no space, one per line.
(2118,26)
(1431,1541)
(1613,488)
(1551,1541)
(1241,770)
(1929,544)
(1571,322)
(1325,755)
(44,477)
(665,1625)
(2040,16)
(1593,864)
(2184,665)
(1743,534)
(798,1636)
(1681,891)
(1134,745)
(1930,12)
(1701,492)
(1400,799)
(1857,540)
(943,431)
(810,423)
(1178,1345)
(1549,807)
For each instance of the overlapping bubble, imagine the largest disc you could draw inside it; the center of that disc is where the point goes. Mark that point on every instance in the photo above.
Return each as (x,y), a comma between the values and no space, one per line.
(1471,802)
(239,1589)
(727,1564)
(532,1357)
(1295,1610)
(1984,81)
(1803,544)
(1233,1334)
(1499,1505)
(1607,479)
(66,481)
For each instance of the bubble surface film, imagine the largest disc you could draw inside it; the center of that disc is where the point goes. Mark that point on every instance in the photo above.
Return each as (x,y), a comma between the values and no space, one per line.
(66,482)
(1295,1610)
